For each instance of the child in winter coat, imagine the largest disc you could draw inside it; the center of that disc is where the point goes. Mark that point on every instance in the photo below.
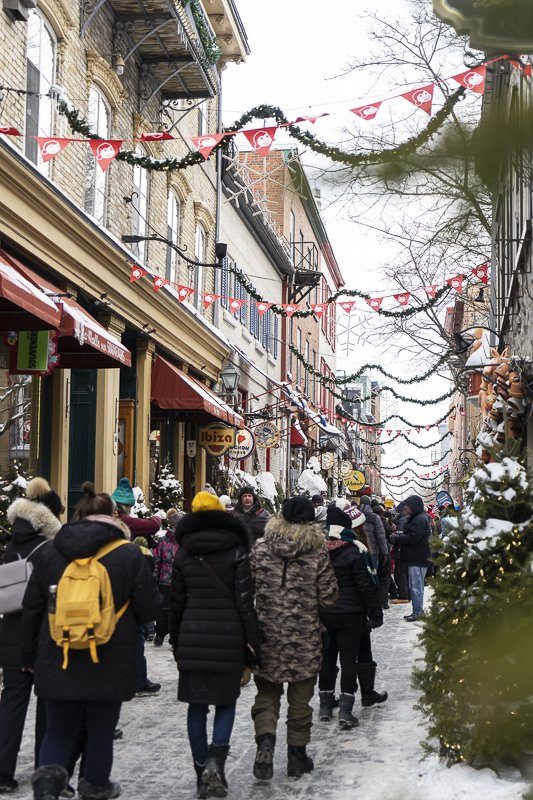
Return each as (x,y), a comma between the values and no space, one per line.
(164,555)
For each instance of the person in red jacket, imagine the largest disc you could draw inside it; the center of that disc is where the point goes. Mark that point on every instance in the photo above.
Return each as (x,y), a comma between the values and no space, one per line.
(125,500)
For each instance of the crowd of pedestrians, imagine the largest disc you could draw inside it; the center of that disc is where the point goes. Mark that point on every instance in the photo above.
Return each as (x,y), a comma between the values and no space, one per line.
(290,599)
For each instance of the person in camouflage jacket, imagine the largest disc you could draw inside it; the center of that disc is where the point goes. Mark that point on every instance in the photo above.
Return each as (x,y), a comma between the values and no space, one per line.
(294,579)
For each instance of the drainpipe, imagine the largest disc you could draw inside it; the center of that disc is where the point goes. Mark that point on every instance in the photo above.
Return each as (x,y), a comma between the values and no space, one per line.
(218,212)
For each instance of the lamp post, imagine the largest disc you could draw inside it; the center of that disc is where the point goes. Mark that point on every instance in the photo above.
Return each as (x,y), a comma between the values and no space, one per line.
(230,377)
(463,343)
(221,249)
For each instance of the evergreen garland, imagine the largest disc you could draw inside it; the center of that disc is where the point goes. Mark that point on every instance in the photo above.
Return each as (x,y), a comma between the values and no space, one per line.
(401,434)
(418,463)
(209,42)
(345,415)
(478,632)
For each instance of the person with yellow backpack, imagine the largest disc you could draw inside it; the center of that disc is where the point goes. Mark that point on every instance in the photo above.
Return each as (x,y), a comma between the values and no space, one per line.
(84,602)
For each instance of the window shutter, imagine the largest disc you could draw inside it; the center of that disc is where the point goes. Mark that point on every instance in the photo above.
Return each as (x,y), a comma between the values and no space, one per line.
(224,283)
(276,335)
(266,330)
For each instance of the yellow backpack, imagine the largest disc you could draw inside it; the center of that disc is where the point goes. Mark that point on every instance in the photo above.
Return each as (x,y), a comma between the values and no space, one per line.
(84,615)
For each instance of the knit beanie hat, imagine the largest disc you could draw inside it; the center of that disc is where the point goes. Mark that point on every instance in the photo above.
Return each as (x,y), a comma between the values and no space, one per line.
(366,491)
(356,516)
(335,516)
(298,509)
(205,501)
(38,490)
(123,494)
(365,501)
(225,499)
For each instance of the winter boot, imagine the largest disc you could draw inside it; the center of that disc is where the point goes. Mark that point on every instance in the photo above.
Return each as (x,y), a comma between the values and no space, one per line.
(264,759)
(87,791)
(201,787)
(367,677)
(346,718)
(48,782)
(298,762)
(214,777)
(327,703)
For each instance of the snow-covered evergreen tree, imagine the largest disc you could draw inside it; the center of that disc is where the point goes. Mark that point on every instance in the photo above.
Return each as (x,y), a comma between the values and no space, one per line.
(165,492)
(11,487)
(478,633)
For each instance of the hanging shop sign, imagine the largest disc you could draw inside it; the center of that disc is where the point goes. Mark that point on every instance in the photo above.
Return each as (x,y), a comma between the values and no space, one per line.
(355,480)
(494,25)
(267,434)
(346,468)
(216,439)
(327,461)
(34,353)
(244,445)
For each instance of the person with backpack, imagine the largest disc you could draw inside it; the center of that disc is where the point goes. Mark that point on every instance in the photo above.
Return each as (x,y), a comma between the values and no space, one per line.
(294,579)
(34,522)
(81,665)
(213,630)
(164,555)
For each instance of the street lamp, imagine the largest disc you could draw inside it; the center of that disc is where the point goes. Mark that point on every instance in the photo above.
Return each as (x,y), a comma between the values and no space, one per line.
(463,343)
(221,249)
(230,377)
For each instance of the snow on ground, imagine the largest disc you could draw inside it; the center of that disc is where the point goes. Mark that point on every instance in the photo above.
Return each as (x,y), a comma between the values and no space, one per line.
(380,760)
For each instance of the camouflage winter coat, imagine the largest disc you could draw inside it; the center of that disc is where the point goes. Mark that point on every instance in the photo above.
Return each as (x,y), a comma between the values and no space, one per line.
(293,580)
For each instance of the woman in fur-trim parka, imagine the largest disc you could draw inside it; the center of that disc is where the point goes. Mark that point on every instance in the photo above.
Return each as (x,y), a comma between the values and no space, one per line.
(34,521)
(293,580)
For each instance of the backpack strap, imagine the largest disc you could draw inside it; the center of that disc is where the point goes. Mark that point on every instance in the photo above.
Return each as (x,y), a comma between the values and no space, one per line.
(37,548)
(102,553)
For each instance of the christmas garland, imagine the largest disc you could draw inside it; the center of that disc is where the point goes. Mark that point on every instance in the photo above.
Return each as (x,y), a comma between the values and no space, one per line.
(377,368)
(79,124)
(418,463)
(209,42)
(346,416)
(412,482)
(399,435)
(435,401)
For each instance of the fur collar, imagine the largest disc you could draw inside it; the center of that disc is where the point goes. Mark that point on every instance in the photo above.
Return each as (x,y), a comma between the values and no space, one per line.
(294,538)
(37,514)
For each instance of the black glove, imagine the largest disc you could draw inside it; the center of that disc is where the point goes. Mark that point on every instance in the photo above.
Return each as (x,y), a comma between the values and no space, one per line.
(375,623)
(394,538)
(253,657)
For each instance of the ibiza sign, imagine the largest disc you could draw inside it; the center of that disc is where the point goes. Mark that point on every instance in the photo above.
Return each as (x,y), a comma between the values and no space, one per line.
(504,26)
(216,439)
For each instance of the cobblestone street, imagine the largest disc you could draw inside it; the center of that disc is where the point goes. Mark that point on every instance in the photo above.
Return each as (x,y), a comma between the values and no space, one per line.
(380,759)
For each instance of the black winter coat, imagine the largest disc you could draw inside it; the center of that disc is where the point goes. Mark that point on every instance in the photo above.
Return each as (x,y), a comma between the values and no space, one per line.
(210,624)
(32,524)
(415,536)
(357,593)
(254,520)
(114,678)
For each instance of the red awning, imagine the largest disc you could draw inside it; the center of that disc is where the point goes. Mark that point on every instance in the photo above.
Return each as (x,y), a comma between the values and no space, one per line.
(83,343)
(298,437)
(23,306)
(172,388)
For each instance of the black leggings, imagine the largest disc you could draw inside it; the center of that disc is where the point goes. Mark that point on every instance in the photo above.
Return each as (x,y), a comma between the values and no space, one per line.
(343,638)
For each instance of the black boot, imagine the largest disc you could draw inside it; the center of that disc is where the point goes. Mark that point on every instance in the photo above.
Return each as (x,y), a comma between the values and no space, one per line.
(88,791)
(49,781)
(367,677)
(298,762)
(264,759)
(327,703)
(201,787)
(346,718)
(214,777)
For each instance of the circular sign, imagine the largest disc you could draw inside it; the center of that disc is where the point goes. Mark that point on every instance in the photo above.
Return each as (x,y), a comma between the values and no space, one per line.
(328,460)
(355,480)
(216,439)
(267,434)
(244,445)
(346,468)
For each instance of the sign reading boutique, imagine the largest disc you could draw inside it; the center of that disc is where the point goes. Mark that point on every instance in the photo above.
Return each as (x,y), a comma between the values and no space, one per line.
(504,26)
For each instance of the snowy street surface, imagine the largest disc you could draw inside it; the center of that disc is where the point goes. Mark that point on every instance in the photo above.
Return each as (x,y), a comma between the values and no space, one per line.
(379,760)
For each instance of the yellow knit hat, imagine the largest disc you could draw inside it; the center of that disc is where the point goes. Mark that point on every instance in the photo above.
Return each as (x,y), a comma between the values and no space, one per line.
(205,501)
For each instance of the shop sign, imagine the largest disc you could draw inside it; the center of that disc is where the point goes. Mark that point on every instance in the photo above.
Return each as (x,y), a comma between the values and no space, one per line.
(34,353)
(355,480)
(346,468)
(328,461)
(267,434)
(493,25)
(244,445)
(216,439)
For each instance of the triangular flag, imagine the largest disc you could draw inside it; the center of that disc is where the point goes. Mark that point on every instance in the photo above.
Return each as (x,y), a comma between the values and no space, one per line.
(311,119)
(8,130)
(137,272)
(209,298)
(51,147)
(403,298)
(422,98)
(367,112)
(184,292)
(290,308)
(431,291)
(105,150)
(528,70)
(348,306)
(235,304)
(473,79)
(156,136)
(262,307)
(379,431)
(428,427)
(408,430)
(456,282)
(159,282)
(482,272)
(374,302)
(261,139)
(206,144)
(318,309)
(389,433)
(417,430)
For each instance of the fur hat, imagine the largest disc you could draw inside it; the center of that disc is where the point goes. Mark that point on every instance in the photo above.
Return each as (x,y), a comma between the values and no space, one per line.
(123,494)
(298,509)
(38,490)
(246,490)
(335,516)
(205,501)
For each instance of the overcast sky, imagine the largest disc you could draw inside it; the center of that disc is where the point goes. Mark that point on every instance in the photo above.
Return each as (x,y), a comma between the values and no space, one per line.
(298,50)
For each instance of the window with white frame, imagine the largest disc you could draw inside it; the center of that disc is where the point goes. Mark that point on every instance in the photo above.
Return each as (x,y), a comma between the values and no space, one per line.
(99,118)
(173,234)
(200,248)
(139,216)
(203,118)
(40,75)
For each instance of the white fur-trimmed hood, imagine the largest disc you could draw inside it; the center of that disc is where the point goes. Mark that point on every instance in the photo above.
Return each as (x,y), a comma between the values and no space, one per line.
(37,514)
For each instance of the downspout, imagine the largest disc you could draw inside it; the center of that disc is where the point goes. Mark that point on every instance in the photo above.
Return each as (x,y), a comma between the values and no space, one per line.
(218,211)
